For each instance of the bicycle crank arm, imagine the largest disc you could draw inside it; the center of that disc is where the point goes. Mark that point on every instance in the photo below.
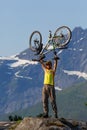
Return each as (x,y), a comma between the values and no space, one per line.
(35,60)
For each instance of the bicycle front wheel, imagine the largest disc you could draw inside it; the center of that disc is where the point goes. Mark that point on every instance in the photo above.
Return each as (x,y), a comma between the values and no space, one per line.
(35,41)
(62,36)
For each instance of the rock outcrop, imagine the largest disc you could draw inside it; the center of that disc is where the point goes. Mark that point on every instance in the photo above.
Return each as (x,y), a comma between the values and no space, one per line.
(50,124)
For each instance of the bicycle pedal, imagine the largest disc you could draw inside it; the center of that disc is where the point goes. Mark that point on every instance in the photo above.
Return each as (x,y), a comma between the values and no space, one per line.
(42,57)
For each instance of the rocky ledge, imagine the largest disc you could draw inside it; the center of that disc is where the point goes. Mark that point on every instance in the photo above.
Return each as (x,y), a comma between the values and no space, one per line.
(50,124)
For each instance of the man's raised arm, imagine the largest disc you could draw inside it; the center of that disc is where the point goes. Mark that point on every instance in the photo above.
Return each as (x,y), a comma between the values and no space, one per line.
(43,65)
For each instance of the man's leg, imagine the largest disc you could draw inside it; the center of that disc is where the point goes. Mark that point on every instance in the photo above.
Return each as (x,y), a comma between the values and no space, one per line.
(53,101)
(45,101)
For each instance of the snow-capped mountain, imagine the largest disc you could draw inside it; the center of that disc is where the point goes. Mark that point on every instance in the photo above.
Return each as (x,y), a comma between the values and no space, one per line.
(21,79)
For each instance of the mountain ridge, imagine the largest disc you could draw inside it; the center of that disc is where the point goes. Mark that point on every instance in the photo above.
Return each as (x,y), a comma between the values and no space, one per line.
(21,88)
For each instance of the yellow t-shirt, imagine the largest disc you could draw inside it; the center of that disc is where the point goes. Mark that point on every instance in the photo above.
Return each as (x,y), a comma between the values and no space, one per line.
(49,77)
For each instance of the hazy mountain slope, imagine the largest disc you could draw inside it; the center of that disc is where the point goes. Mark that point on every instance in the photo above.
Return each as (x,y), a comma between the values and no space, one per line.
(70,102)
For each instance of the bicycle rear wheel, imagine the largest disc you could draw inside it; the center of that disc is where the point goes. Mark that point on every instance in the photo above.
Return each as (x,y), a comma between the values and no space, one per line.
(62,36)
(35,41)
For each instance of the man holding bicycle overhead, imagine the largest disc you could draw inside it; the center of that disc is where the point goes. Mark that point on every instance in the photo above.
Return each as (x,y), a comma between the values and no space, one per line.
(48,88)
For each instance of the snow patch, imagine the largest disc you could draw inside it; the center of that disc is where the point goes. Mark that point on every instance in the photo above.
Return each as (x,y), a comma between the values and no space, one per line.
(19,76)
(22,62)
(80,49)
(78,73)
(58,88)
(81,38)
(18,62)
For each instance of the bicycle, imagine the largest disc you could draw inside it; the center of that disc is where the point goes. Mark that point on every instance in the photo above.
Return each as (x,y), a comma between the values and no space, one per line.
(59,40)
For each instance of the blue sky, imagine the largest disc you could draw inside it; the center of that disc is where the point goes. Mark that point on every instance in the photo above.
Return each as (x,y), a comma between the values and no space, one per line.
(19,18)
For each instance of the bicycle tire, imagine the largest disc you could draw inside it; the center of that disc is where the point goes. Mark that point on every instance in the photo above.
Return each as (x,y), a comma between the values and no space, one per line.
(36,35)
(66,32)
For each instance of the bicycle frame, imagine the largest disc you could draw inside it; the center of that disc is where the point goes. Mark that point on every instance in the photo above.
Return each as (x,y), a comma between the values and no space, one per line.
(51,43)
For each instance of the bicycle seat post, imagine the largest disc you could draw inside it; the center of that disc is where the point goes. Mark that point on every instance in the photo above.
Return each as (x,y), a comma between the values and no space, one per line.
(50,34)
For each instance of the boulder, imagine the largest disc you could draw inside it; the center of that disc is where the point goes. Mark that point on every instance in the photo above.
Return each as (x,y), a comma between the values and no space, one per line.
(30,123)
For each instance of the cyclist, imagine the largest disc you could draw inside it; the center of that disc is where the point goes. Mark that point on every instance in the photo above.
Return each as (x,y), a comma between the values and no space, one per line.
(48,88)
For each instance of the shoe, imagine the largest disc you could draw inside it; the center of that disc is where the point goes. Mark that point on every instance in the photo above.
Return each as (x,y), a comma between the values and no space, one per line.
(45,115)
(55,116)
